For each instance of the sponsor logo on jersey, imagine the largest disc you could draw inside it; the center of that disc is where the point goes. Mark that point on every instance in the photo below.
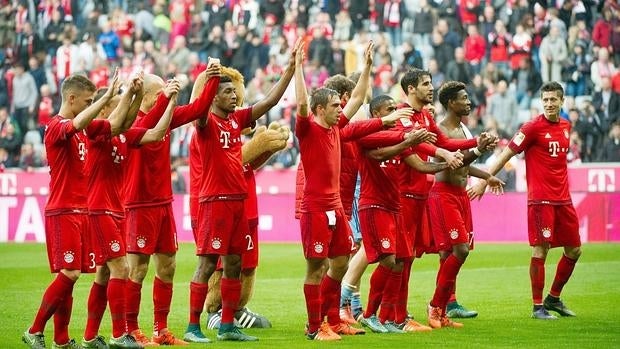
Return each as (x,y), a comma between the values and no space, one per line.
(547,135)
(406,122)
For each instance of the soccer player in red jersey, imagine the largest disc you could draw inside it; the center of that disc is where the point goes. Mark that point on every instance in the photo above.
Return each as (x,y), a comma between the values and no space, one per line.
(417,84)
(385,241)
(106,213)
(66,209)
(326,235)
(449,207)
(151,229)
(222,221)
(552,220)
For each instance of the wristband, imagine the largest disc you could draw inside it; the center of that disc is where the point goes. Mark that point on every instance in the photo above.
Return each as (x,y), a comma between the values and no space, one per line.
(477,152)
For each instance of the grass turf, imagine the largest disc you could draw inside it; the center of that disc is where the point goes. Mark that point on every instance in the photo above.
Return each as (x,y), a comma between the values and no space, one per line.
(494,281)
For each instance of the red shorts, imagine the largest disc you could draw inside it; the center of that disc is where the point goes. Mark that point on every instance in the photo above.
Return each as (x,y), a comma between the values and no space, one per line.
(194,224)
(222,228)
(415,222)
(322,240)
(151,230)
(450,213)
(107,237)
(380,233)
(249,258)
(556,224)
(68,243)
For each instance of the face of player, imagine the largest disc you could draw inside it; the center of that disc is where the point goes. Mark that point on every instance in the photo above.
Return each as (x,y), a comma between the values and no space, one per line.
(552,103)
(81,100)
(461,105)
(385,109)
(332,110)
(424,91)
(226,98)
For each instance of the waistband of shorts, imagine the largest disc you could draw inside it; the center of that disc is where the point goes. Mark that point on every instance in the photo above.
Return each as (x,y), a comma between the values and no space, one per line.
(448,188)
(60,211)
(226,197)
(549,202)
(416,196)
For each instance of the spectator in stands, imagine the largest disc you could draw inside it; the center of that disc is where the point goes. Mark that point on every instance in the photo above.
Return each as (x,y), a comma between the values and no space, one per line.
(601,68)
(110,41)
(458,69)
(394,12)
(576,70)
(215,45)
(29,159)
(10,140)
(179,54)
(606,102)
(611,145)
(274,8)
(553,53)
(67,58)
(601,33)
(25,94)
(37,72)
(499,42)
(53,32)
(27,44)
(502,106)
(245,12)
(520,47)
(178,181)
(475,48)
(527,81)
(592,133)
(48,107)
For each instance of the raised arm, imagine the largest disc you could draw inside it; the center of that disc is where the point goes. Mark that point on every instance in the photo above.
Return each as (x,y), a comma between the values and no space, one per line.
(414,161)
(200,106)
(158,132)
(84,118)
(301,94)
(137,88)
(273,96)
(359,92)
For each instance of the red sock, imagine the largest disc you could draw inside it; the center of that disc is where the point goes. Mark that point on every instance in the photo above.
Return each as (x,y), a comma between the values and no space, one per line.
(441,262)
(55,293)
(197,297)
(133,294)
(330,291)
(231,293)
(562,274)
(116,300)
(62,317)
(97,301)
(400,308)
(390,296)
(378,279)
(447,277)
(312,294)
(162,297)
(537,278)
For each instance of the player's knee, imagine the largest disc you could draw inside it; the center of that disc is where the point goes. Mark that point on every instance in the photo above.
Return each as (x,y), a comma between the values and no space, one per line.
(138,272)
(573,253)
(71,274)
(232,266)
(461,252)
(118,268)
(248,272)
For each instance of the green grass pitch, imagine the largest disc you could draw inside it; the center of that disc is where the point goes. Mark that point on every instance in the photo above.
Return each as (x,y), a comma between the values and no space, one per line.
(494,281)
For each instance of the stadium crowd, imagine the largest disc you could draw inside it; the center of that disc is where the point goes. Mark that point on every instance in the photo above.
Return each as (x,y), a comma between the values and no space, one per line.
(503,49)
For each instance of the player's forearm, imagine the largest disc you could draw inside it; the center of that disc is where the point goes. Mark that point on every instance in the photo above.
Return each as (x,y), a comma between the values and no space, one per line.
(478,173)
(300,92)
(501,160)
(417,164)
(118,115)
(84,118)
(274,95)
(158,132)
(132,113)
(359,93)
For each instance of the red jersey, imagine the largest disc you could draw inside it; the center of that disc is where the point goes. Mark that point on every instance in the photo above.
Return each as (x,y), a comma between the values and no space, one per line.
(321,155)
(546,145)
(251,203)
(222,177)
(412,181)
(195,172)
(105,170)
(66,150)
(380,180)
(148,180)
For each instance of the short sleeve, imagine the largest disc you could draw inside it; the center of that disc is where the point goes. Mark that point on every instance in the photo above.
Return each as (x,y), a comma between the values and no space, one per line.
(523,138)
(58,130)
(134,135)
(99,127)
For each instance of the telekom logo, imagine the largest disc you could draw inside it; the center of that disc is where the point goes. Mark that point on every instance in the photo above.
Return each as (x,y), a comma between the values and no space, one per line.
(601,180)
(225,139)
(554,147)
(8,183)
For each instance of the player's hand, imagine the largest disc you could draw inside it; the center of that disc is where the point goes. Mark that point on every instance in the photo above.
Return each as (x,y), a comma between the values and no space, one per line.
(172,88)
(298,54)
(453,158)
(430,137)
(114,86)
(214,69)
(369,53)
(297,49)
(416,137)
(492,144)
(390,120)
(136,84)
(477,190)
(496,185)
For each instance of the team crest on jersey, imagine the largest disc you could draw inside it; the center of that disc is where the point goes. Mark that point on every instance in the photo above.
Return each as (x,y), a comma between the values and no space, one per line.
(69,256)
(406,122)
(234,124)
(122,138)
(115,246)
(566,133)
(141,241)
(546,232)
(519,138)
(318,247)
(385,243)
(216,244)
(454,234)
